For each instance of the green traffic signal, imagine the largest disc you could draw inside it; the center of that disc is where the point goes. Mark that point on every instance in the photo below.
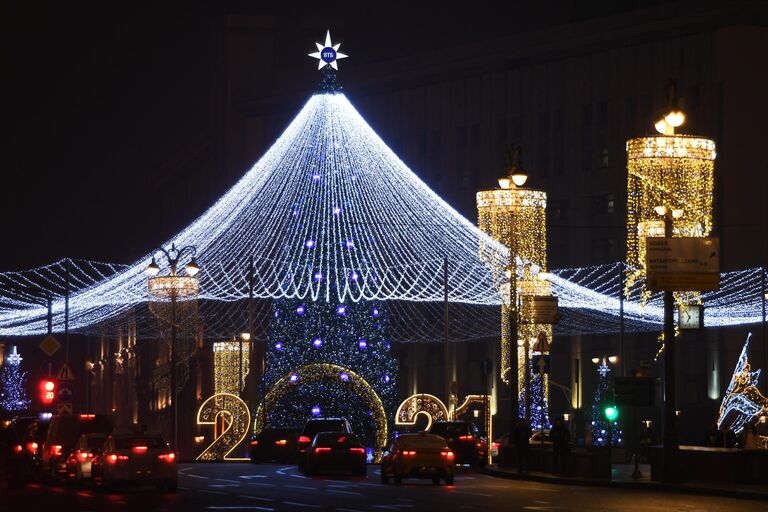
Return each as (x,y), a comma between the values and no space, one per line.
(611,413)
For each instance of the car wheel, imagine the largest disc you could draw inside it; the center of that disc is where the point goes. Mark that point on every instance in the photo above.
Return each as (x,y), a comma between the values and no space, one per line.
(435,481)
(384,478)
(449,480)
(172,486)
(398,479)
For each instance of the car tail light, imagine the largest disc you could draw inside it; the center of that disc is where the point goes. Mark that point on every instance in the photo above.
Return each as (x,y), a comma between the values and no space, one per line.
(281,442)
(167,457)
(359,451)
(496,445)
(254,443)
(18,448)
(32,447)
(139,449)
(87,416)
(409,453)
(341,439)
(56,450)
(466,438)
(113,458)
(304,439)
(322,449)
(447,454)
(84,456)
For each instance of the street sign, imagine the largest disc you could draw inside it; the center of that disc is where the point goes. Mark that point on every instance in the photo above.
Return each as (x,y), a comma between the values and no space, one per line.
(690,316)
(49,368)
(682,264)
(50,345)
(66,391)
(539,309)
(540,364)
(634,391)
(65,373)
(64,408)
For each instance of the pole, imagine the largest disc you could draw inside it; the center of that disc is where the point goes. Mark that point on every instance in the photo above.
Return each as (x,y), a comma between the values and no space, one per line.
(87,374)
(670,413)
(446,347)
(513,373)
(621,318)
(49,299)
(66,310)
(764,297)
(636,474)
(174,408)
(251,337)
(527,378)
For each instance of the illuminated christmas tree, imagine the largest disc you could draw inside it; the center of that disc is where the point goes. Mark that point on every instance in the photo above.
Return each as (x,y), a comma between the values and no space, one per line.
(13,394)
(352,336)
(602,429)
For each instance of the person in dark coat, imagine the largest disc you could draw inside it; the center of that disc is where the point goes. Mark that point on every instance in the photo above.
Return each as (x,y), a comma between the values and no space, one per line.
(560,445)
(522,436)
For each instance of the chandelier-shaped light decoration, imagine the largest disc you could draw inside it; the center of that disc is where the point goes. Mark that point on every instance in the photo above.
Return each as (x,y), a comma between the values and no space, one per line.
(516,217)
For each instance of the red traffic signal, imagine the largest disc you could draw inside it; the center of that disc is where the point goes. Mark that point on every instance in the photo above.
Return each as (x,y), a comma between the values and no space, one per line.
(47,391)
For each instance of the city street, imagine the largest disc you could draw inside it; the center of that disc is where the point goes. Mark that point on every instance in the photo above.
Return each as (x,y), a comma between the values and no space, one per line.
(270,487)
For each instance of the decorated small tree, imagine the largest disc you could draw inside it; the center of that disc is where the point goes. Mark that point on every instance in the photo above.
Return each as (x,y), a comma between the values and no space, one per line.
(13,393)
(603,430)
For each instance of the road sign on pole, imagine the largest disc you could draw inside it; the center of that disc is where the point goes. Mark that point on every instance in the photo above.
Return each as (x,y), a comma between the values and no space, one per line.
(49,345)
(65,373)
(64,408)
(65,392)
(682,264)
(49,368)
(540,364)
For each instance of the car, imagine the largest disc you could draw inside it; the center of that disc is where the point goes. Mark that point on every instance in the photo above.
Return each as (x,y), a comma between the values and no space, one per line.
(464,440)
(80,460)
(312,427)
(63,433)
(13,467)
(33,441)
(418,455)
(277,444)
(135,458)
(335,452)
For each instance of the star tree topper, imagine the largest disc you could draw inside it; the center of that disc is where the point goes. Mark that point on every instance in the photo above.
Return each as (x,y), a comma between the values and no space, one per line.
(328,54)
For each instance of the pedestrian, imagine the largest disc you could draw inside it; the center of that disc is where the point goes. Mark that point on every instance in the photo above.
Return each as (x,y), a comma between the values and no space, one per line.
(522,437)
(751,439)
(560,445)
(714,437)
(646,438)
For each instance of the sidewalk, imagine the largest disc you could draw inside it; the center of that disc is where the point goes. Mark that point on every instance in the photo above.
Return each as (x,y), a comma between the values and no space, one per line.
(622,478)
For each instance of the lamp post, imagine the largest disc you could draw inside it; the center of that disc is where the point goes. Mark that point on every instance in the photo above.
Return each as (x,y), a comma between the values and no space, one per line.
(670,410)
(173,287)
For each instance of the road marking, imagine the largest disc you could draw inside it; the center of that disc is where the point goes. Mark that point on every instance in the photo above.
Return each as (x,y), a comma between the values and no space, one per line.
(198,476)
(228,481)
(223,485)
(298,476)
(238,507)
(474,494)
(248,477)
(213,492)
(297,504)
(305,487)
(351,493)
(348,510)
(258,498)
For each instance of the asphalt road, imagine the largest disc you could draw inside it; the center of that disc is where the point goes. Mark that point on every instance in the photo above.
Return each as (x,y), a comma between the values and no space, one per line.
(270,487)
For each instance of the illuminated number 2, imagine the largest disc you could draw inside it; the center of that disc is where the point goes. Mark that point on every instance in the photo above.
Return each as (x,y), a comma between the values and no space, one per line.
(236,418)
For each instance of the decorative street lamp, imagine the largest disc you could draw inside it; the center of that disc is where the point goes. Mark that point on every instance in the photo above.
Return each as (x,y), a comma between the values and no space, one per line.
(516,217)
(172,288)
(669,194)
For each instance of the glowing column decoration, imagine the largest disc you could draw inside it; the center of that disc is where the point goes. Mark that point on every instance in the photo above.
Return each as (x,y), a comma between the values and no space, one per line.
(516,217)
(226,358)
(668,170)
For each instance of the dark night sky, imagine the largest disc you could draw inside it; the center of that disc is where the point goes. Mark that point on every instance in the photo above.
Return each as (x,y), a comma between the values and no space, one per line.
(97,102)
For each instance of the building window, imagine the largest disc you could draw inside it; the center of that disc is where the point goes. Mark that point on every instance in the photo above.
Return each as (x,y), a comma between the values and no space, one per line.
(558,210)
(604,158)
(602,250)
(602,204)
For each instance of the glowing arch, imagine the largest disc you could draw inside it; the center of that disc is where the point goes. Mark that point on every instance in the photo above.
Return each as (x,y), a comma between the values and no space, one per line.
(421,403)
(326,371)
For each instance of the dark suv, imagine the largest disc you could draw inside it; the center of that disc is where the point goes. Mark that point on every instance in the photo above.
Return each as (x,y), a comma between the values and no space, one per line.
(464,440)
(63,433)
(314,426)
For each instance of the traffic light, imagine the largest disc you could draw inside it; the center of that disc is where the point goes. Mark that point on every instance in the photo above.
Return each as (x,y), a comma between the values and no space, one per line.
(611,412)
(47,391)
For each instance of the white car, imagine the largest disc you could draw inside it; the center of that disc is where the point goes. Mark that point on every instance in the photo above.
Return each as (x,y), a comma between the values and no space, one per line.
(79,461)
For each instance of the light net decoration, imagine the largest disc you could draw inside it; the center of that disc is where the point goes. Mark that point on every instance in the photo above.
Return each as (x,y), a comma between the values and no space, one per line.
(230,366)
(675,171)
(516,217)
(743,402)
(329,212)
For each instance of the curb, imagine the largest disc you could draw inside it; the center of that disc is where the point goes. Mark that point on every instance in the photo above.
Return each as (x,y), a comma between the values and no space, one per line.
(650,486)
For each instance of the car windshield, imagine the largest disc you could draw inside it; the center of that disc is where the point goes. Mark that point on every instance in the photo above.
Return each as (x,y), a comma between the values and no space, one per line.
(278,433)
(335,438)
(451,429)
(123,443)
(70,428)
(419,441)
(96,441)
(314,426)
